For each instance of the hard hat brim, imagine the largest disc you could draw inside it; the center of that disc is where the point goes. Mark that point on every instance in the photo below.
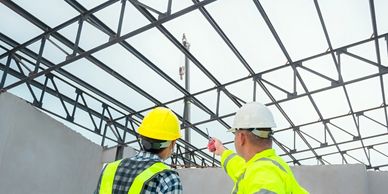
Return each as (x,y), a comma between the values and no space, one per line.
(232,130)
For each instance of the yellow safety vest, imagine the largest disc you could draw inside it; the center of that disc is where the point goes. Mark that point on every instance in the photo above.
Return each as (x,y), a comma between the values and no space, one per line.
(265,173)
(108,176)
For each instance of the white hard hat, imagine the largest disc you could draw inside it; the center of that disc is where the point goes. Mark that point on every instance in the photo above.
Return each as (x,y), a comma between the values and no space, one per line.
(253,115)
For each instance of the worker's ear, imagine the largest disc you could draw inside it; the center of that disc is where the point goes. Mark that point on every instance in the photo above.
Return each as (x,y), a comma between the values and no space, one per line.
(243,138)
(240,138)
(172,144)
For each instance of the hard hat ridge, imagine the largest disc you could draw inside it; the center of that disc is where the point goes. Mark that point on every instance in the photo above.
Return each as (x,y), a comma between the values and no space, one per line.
(161,124)
(253,115)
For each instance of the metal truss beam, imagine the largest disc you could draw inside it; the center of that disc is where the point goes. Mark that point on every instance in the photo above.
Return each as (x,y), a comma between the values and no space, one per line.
(21,56)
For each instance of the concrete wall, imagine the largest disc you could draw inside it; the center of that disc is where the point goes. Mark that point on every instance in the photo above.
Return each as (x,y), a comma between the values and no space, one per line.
(333,179)
(378,182)
(39,155)
(109,154)
(205,181)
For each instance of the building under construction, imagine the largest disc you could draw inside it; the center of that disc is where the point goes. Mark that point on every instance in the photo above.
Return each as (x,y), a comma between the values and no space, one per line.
(77,78)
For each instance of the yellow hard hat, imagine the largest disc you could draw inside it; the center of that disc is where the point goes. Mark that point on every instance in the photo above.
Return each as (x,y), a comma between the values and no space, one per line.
(161,123)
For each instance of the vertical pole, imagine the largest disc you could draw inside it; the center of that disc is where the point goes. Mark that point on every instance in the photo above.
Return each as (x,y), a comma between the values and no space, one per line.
(187,100)
(5,71)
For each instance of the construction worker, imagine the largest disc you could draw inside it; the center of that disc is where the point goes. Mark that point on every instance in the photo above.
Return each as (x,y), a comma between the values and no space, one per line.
(145,172)
(255,168)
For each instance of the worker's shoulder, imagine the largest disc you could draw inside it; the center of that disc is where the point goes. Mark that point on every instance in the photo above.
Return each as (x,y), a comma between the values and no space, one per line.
(167,177)
(169,173)
(268,164)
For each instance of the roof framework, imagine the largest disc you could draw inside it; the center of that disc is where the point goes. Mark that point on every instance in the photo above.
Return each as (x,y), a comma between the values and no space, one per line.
(53,84)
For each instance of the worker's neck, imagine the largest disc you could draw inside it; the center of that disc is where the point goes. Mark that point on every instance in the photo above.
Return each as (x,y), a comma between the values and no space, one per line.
(164,154)
(252,151)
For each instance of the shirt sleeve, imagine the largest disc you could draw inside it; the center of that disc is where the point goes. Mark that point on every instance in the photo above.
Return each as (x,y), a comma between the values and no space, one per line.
(232,164)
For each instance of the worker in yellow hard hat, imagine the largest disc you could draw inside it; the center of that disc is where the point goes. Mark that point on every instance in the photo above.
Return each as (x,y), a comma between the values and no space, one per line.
(255,168)
(146,172)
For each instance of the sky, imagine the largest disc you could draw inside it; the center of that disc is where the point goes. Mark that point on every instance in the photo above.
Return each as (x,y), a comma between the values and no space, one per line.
(298,26)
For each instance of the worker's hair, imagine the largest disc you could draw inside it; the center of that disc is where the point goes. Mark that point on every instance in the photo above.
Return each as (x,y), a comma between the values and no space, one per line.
(147,140)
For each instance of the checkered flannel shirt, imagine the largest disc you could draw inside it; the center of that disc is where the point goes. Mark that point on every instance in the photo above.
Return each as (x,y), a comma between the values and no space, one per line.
(164,182)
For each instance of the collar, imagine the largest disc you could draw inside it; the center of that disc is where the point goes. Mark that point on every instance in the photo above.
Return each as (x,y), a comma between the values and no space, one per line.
(142,155)
(263,154)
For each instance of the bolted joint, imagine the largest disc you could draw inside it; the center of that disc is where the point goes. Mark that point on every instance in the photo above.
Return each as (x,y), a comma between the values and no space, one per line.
(291,95)
(47,36)
(111,38)
(359,113)
(257,77)
(221,89)
(341,51)
(32,73)
(324,144)
(383,69)
(83,18)
(49,75)
(70,118)
(78,91)
(37,104)
(335,83)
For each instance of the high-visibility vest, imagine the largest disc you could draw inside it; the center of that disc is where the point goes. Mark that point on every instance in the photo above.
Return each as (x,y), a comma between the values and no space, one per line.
(108,176)
(265,173)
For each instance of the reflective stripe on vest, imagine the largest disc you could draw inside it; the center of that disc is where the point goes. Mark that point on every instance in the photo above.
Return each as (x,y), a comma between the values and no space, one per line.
(235,190)
(107,180)
(274,162)
(108,177)
(146,175)
(227,160)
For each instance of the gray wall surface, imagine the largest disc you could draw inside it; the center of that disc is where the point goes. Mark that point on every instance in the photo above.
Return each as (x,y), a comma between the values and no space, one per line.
(378,182)
(333,179)
(205,181)
(39,155)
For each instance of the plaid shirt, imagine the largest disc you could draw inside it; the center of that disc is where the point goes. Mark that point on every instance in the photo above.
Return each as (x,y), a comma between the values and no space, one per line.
(164,182)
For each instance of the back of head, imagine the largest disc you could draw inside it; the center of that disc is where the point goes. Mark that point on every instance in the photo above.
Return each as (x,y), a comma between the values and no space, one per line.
(158,128)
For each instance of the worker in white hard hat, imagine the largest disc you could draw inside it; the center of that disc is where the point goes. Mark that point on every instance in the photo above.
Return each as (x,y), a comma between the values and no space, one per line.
(146,172)
(255,168)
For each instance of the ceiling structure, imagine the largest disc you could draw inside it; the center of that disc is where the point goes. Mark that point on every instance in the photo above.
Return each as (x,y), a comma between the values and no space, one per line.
(100,67)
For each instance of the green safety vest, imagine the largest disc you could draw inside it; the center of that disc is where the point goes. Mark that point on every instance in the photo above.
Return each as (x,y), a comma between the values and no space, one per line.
(265,173)
(108,176)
